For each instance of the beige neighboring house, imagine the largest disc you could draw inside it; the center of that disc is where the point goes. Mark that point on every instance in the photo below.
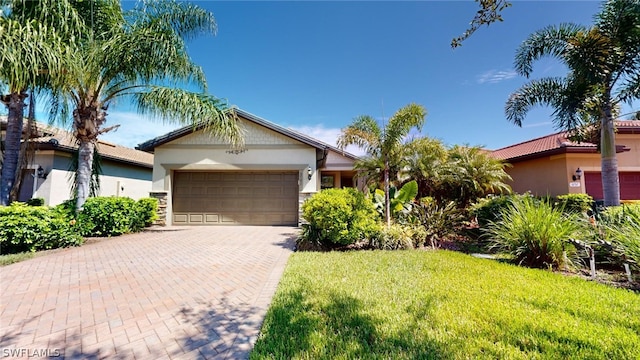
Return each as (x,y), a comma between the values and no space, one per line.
(549,165)
(205,182)
(125,171)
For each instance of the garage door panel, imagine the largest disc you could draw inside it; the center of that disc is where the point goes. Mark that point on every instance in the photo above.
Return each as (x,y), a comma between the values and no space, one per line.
(629,185)
(222,198)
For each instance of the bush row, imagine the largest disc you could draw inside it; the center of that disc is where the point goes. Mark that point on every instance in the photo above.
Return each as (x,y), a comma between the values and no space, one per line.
(33,228)
(537,232)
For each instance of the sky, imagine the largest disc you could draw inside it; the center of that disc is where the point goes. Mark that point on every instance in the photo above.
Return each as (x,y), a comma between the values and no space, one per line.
(315,66)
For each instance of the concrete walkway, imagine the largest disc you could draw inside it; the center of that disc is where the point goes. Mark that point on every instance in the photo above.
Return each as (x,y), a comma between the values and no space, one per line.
(191,293)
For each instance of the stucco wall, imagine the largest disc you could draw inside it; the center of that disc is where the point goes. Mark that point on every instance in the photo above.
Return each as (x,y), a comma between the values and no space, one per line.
(56,188)
(542,177)
(264,150)
(552,174)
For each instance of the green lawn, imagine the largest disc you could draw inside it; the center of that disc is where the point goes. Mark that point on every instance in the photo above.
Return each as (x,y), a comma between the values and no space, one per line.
(442,305)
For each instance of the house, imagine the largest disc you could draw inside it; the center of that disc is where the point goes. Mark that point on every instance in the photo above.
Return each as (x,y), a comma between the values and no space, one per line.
(202,181)
(554,165)
(125,171)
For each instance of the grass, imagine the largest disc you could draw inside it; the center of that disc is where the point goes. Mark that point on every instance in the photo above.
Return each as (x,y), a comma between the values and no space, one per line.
(442,305)
(14,258)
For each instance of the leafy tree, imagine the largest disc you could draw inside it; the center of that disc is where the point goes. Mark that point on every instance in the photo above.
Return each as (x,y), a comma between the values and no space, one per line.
(35,38)
(383,145)
(490,12)
(604,71)
(138,55)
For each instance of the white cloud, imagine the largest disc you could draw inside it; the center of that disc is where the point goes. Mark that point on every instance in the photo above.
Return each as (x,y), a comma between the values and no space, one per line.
(134,128)
(495,76)
(538,124)
(327,135)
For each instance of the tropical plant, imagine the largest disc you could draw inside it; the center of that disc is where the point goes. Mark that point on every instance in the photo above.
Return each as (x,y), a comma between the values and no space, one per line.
(439,221)
(35,39)
(469,174)
(423,158)
(383,145)
(401,199)
(535,233)
(604,71)
(138,55)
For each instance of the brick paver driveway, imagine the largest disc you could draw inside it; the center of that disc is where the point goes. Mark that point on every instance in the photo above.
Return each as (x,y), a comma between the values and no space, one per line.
(198,292)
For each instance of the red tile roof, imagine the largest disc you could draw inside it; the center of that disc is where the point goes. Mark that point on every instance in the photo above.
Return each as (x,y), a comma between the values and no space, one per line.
(556,143)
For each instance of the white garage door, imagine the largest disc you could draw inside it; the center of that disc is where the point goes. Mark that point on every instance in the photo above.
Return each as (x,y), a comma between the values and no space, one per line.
(235,198)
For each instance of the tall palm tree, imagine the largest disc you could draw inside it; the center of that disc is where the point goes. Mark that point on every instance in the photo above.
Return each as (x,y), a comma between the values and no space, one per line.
(604,71)
(383,145)
(32,53)
(140,56)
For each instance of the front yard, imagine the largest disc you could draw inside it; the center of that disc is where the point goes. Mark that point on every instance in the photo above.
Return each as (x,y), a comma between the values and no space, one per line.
(442,305)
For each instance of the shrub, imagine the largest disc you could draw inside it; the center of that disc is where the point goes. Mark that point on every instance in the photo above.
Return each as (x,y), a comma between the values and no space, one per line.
(36,201)
(535,233)
(338,217)
(396,237)
(148,210)
(437,221)
(110,216)
(574,203)
(621,226)
(32,228)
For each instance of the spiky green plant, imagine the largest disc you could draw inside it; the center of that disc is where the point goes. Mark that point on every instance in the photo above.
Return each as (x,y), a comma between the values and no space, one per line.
(535,233)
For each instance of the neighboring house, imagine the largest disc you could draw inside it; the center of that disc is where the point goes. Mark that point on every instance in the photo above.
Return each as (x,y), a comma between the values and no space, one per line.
(208,183)
(549,165)
(125,171)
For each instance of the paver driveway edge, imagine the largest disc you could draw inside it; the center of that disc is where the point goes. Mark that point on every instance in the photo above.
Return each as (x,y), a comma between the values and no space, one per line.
(200,292)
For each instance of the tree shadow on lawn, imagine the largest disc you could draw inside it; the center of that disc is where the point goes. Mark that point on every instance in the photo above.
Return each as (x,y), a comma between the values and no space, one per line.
(301,326)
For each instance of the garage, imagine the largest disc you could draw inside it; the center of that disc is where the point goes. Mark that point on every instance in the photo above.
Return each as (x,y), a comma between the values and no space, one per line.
(235,198)
(629,185)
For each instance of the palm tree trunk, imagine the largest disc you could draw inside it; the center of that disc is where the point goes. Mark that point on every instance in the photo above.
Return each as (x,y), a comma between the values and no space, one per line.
(387,201)
(609,165)
(15,103)
(83,175)
(26,150)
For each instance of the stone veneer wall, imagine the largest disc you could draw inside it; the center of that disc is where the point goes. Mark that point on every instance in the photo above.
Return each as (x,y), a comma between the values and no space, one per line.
(162,206)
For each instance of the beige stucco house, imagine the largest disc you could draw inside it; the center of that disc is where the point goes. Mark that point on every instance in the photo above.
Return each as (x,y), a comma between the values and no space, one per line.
(205,182)
(125,171)
(549,165)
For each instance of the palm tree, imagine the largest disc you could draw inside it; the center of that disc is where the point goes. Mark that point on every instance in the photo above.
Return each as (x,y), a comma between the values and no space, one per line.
(383,146)
(423,159)
(138,55)
(604,71)
(471,173)
(32,53)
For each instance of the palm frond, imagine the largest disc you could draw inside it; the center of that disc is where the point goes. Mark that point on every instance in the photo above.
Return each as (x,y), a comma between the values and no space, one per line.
(550,41)
(364,132)
(185,19)
(405,119)
(546,91)
(190,108)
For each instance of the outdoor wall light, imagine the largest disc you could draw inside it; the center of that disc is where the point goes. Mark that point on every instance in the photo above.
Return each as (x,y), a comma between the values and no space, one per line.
(309,172)
(578,175)
(41,173)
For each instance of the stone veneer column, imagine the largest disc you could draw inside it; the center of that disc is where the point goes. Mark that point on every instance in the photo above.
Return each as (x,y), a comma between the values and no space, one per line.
(162,206)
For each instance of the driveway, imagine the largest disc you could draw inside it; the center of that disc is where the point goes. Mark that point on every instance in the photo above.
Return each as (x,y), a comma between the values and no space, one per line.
(199,292)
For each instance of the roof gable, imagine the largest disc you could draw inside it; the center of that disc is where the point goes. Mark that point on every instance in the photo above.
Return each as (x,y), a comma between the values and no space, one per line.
(250,121)
(254,134)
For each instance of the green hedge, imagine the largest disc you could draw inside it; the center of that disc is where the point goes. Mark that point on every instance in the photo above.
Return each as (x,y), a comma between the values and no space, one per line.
(32,228)
(574,203)
(111,216)
(338,217)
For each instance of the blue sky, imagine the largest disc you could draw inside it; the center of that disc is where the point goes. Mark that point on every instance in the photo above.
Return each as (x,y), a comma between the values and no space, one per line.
(314,66)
